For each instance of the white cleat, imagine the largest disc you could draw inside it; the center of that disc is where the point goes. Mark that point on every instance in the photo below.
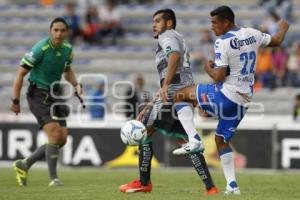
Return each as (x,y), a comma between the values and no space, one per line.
(189,148)
(55,183)
(235,191)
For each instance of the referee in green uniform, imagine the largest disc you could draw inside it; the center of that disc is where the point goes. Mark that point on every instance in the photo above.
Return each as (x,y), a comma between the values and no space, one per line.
(47,61)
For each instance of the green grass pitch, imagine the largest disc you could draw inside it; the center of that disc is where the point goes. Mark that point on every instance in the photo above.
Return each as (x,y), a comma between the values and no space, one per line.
(169,184)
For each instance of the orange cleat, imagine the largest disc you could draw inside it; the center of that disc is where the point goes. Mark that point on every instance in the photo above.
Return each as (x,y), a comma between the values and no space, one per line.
(135,186)
(212,191)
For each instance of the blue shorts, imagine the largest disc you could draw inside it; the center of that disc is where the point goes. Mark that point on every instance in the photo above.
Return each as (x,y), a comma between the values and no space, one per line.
(215,103)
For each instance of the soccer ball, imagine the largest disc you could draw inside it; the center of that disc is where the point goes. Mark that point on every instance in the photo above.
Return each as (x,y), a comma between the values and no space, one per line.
(133,133)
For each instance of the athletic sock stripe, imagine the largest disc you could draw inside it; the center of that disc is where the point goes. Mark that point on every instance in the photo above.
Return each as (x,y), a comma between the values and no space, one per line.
(179,106)
(224,151)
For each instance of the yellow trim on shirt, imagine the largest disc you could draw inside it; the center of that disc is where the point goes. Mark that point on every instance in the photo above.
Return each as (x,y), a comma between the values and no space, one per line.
(44,48)
(27,63)
(67,45)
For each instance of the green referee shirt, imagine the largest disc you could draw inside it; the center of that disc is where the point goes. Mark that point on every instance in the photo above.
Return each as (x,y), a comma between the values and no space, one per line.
(47,63)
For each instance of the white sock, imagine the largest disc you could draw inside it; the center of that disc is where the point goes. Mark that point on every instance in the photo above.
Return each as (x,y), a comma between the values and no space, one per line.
(227,161)
(186,116)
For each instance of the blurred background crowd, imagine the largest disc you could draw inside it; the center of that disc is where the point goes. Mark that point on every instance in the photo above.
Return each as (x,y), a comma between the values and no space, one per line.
(113,37)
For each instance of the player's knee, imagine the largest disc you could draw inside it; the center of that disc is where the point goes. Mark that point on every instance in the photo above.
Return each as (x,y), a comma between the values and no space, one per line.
(63,142)
(220,143)
(58,138)
(218,140)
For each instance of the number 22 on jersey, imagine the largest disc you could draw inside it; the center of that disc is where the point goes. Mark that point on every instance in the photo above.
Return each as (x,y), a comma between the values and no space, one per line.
(248,59)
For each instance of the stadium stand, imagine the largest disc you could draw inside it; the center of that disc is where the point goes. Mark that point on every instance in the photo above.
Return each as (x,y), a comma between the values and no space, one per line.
(25,22)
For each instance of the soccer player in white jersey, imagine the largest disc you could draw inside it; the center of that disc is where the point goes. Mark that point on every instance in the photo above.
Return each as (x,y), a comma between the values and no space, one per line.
(233,72)
(175,73)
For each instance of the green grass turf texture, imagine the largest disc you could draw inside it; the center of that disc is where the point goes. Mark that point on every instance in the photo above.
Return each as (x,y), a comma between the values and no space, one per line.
(168,184)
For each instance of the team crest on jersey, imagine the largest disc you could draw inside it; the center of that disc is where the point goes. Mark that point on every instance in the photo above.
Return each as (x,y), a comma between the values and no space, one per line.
(29,56)
(168,49)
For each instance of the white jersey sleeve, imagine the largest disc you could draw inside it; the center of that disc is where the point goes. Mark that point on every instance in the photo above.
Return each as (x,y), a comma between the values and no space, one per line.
(221,56)
(169,42)
(264,39)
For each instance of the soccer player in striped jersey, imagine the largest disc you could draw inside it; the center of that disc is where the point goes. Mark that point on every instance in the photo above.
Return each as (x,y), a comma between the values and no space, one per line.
(172,61)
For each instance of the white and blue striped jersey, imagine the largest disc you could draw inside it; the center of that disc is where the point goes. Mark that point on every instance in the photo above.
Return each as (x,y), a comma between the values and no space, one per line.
(237,50)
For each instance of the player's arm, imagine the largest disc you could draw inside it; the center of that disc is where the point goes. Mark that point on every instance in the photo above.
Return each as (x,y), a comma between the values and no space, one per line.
(71,78)
(70,75)
(217,70)
(277,38)
(217,74)
(29,60)
(17,87)
(173,62)
(171,47)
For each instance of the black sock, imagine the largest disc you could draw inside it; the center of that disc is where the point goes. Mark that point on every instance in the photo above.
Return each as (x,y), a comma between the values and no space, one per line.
(145,157)
(38,154)
(200,165)
(52,152)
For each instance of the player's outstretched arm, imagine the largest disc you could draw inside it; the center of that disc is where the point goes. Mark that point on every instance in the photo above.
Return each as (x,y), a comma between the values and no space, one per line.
(18,83)
(277,38)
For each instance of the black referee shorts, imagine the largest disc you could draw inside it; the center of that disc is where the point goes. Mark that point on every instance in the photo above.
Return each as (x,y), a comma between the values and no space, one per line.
(40,104)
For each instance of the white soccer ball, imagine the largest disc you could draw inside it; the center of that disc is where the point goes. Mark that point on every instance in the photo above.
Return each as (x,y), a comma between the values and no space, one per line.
(133,133)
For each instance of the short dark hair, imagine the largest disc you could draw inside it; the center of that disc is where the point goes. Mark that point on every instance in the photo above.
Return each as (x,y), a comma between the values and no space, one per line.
(59,19)
(168,14)
(275,15)
(223,12)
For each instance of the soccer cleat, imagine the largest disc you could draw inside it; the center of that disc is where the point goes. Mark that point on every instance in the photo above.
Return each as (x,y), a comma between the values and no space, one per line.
(212,191)
(235,191)
(21,172)
(55,183)
(135,186)
(190,147)
(232,188)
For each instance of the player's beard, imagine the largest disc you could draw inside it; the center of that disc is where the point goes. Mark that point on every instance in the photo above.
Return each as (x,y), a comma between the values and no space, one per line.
(163,29)
(155,35)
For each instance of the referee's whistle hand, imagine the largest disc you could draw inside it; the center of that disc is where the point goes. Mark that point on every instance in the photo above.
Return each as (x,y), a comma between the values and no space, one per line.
(78,89)
(15,108)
